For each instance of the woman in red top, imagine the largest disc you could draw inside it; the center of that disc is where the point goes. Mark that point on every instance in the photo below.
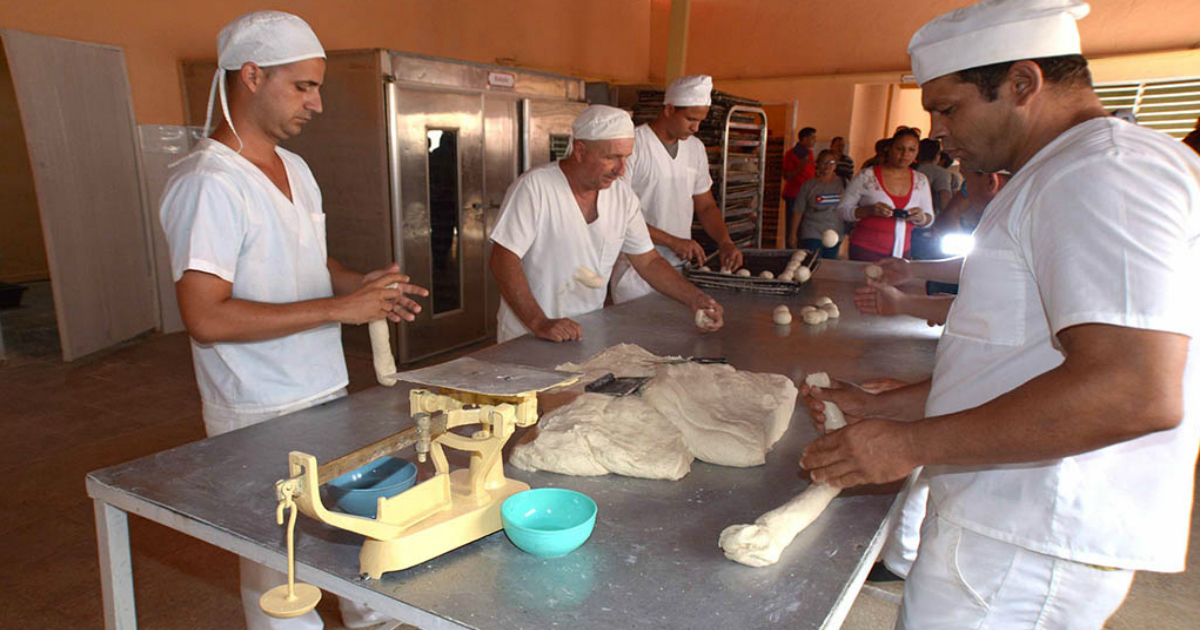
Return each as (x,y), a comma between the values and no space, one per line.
(874,196)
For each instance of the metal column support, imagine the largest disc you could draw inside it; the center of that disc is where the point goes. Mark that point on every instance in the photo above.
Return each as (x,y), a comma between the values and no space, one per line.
(116,567)
(681,11)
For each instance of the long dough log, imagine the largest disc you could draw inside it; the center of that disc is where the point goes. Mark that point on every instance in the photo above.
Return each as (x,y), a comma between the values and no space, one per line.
(381,349)
(761,543)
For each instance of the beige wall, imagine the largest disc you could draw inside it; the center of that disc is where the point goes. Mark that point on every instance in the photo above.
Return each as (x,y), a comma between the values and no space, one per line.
(608,39)
(862,108)
(22,251)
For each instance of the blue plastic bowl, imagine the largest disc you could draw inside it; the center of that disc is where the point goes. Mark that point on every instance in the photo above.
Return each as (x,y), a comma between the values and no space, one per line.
(358,491)
(548,522)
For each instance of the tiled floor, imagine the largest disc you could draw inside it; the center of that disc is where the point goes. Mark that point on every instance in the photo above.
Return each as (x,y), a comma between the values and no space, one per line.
(60,421)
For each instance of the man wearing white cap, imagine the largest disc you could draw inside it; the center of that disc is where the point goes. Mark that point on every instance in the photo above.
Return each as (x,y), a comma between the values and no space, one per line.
(669,172)
(1061,429)
(261,299)
(561,229)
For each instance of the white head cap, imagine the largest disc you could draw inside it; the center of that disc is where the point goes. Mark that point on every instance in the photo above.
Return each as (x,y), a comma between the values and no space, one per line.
(995,31)
(693,91)
(602,122)
(265,38)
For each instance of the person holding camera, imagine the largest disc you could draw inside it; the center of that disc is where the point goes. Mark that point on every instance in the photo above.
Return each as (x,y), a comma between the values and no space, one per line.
(886,202)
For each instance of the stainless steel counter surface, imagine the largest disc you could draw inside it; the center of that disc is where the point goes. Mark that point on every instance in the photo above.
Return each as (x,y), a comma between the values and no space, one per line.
(653,561)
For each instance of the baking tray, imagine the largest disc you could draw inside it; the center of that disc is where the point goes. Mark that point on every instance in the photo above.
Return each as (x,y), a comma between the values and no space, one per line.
(757,261)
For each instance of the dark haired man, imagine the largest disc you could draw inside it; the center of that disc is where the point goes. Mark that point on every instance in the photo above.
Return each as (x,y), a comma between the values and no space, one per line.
(798,167)
(1060,430)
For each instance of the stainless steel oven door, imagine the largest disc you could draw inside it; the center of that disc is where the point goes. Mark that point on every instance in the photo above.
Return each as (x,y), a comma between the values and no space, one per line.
(437,179)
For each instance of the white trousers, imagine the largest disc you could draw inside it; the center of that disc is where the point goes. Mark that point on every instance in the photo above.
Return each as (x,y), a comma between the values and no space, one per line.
(966,581)
(907,514)
(257,579)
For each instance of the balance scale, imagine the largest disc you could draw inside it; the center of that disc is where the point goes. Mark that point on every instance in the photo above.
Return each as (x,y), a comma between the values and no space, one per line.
(442,513)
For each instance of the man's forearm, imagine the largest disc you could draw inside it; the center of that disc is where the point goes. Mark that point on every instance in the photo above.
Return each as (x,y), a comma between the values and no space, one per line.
(235,320)
(345,281)
(903,403)
(1077,407)
(946,270)
(710,217)
(659,274)
(659,237)
(932,308)
(514,287)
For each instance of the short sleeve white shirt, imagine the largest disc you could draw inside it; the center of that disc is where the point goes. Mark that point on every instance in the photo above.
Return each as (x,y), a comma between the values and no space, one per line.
(665,185)
(223,216)
(1101,226)
(541,223)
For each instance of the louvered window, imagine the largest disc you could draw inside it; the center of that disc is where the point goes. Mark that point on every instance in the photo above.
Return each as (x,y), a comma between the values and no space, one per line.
(1170,105)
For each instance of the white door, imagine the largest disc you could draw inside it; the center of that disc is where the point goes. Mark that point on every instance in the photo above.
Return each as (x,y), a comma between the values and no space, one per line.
(77,113)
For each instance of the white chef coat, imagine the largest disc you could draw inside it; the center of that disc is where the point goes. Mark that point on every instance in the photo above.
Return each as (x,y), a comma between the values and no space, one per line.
(665,186)
(223,216)
(542,224)
(1101,226)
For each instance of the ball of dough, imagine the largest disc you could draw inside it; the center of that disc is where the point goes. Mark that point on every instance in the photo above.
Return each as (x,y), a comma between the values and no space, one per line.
(782,316)
(726,270)
(829,238)
(702,319)
(705,268)
(767,274)
(745,273)
(807,309)
(815,316)
(832,310)
(787,275)
(873,272)
(803,274)
(823,300)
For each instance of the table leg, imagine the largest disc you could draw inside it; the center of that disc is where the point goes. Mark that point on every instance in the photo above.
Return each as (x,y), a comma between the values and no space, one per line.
(116,567)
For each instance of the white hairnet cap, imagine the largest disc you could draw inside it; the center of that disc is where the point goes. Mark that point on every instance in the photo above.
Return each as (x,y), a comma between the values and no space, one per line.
(693,91)
(602,122)
(264,38)
(995,31)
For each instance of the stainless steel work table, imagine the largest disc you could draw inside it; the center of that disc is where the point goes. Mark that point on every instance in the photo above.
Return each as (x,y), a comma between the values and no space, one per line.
(653,561)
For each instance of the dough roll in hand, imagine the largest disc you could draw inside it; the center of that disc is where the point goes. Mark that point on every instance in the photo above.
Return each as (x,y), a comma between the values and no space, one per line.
(760,543)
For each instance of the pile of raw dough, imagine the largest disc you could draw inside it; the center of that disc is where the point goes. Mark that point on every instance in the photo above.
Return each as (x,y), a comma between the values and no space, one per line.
(727,416)
(598,434)
(761,543)
(711,412)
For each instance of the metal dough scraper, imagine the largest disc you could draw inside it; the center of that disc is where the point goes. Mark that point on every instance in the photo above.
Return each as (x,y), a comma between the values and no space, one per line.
(611,385)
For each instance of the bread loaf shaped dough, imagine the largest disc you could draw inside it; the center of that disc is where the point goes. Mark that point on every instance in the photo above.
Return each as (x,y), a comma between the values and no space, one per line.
(760,543)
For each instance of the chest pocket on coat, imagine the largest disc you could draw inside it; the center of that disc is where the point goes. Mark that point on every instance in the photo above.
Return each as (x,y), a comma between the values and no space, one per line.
(992,293)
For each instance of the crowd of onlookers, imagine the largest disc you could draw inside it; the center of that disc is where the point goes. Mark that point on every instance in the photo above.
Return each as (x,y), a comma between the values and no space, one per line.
(889,208)
(886,209)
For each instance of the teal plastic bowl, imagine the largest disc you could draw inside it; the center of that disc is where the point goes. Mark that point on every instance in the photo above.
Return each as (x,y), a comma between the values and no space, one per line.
(548,522)
(358,491)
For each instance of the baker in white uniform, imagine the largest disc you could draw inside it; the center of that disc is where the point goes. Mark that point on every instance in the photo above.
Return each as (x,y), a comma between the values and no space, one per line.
(561,228)
(1060,435)
(261,299)
(669,173)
